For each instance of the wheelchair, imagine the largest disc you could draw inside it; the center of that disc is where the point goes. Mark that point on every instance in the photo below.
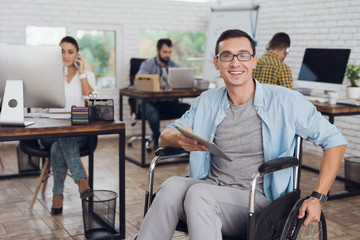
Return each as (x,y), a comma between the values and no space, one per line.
(279,220)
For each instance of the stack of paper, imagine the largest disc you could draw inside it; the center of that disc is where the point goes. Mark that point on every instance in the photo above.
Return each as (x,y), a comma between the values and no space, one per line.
(349,101)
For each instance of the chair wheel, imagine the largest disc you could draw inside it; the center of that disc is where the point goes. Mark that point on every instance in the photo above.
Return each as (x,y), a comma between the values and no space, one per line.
(129,144)
(149,150)
(294,228)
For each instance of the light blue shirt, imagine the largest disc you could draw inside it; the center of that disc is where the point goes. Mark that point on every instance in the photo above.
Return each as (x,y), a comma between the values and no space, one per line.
(284,114)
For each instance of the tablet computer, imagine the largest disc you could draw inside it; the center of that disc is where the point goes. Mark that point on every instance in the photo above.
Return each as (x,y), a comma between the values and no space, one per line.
(213,148)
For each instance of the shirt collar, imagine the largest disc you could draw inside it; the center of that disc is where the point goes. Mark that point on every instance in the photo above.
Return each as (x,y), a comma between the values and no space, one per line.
(272,55)
(259,99)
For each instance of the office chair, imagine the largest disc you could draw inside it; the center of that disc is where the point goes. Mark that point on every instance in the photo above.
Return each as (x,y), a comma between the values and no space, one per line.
(32,148)
(134,109)
(279,220)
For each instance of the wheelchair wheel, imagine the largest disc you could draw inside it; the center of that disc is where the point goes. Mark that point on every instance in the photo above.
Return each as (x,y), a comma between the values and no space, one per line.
(294,228)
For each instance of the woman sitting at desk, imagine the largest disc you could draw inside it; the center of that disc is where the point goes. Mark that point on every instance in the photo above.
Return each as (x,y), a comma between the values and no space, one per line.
(65,152)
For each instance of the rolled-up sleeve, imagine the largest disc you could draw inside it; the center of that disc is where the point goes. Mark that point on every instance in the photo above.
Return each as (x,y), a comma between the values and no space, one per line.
(315,128)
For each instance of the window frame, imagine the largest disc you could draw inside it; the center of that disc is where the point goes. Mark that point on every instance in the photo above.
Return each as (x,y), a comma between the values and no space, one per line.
(72,31)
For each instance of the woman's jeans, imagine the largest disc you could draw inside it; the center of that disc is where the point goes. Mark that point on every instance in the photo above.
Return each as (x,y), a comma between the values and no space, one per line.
(65,154)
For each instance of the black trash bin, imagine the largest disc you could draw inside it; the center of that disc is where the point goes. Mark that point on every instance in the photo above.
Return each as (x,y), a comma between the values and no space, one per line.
(352,174)
(99,214)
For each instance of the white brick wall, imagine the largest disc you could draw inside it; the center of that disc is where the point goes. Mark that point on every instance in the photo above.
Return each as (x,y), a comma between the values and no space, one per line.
(130,17)
(321,23)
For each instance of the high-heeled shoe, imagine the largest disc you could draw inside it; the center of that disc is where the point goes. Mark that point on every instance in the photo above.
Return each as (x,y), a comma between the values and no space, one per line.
(55,211)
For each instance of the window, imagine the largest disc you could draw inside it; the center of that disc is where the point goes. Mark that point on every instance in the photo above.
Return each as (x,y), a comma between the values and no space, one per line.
(188,48)
(36,35)
(98,48)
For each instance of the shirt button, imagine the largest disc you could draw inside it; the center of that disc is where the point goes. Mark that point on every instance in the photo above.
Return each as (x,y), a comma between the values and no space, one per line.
(212,134)
(221,116)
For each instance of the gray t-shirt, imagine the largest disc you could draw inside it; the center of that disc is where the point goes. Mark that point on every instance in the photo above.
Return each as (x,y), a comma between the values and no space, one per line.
(239,136)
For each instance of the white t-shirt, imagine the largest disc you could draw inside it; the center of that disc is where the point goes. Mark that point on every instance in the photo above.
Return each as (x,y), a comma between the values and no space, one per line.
(73,92)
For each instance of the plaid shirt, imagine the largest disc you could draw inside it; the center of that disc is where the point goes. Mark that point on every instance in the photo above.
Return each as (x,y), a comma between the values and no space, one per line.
(271,70)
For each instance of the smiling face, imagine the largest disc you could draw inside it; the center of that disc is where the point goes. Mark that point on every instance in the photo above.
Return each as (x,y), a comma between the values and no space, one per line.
(69,53)
(236,73)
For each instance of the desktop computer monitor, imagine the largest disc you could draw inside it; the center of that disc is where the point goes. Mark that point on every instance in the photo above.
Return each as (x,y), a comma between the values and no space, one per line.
(323,69)
(32,77)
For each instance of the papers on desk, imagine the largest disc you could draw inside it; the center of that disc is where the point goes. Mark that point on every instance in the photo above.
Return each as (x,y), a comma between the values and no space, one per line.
(304,91)
(49,115)
(354,102)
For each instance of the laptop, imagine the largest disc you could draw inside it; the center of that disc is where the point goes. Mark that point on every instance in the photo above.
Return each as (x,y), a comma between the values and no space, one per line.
(181,78)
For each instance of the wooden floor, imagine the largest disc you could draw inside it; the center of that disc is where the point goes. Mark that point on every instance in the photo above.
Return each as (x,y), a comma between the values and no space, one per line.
(18,222)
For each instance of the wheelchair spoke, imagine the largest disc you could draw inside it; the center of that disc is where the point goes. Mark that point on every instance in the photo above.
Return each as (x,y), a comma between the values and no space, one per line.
(311,232)
(314,231)
(294,228)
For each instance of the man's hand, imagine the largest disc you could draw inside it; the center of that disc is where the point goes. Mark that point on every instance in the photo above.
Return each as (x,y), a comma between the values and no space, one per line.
(312,207)
(189,144)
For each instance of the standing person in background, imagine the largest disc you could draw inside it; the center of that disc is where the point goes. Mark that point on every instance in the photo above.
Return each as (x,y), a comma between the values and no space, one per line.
(271,68)
(65,152)
(160,65)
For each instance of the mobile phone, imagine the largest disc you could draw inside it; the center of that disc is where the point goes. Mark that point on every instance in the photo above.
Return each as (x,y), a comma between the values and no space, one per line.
(76,59)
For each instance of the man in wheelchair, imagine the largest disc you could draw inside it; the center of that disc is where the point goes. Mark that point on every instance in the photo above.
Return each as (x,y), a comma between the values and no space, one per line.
(251,123)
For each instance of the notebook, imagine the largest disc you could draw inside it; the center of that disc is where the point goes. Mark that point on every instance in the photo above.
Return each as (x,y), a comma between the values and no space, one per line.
(181,78)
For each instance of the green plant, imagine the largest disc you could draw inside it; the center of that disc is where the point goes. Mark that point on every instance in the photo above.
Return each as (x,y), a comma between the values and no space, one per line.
(352,74)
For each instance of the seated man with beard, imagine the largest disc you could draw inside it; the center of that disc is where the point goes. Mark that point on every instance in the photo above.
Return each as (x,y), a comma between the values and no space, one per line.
(160,65)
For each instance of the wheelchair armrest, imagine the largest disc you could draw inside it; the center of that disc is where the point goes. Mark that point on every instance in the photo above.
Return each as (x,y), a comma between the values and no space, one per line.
(278,164)
(166,151)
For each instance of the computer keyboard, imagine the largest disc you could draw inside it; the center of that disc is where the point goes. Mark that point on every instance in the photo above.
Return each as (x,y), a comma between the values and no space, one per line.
(49,115)
(320,99)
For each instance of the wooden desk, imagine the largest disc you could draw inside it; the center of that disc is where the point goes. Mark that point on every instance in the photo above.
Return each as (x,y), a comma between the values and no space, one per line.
(146,96)
(332,111)
(336,110)
(48,128)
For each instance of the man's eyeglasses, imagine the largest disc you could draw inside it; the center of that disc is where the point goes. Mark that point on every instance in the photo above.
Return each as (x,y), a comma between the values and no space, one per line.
(228,57)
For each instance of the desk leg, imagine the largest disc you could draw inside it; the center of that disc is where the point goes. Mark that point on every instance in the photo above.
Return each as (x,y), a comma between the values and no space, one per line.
(91,162)
(122,183)
(121,107)
(143,133)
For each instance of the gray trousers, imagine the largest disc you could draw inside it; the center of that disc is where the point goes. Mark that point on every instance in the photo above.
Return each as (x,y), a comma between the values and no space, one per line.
(209,210)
